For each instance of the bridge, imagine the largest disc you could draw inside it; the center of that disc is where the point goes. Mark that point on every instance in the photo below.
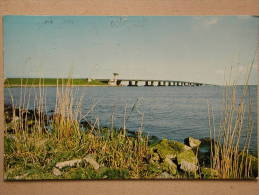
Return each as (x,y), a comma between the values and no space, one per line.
(148,82)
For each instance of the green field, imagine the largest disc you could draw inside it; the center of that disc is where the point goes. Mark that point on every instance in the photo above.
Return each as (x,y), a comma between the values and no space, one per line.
(49,81)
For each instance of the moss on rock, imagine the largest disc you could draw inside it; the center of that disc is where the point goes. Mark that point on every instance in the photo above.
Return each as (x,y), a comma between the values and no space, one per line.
(168,148)
(187,161)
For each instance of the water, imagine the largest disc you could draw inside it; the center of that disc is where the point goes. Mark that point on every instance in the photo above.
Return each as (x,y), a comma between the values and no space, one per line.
(167,112)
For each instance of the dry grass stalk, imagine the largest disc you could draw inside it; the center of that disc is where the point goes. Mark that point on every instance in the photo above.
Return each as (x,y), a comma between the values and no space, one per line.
(228,156)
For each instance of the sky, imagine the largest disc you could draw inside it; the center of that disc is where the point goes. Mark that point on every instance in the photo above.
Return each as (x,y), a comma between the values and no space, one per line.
(188,48)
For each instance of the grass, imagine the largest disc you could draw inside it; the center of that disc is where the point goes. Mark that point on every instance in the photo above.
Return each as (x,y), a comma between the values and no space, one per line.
(48,81)
(228,156)
(34,142)
(32,150)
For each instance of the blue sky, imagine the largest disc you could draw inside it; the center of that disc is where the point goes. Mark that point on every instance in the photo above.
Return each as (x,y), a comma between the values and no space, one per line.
(191,48)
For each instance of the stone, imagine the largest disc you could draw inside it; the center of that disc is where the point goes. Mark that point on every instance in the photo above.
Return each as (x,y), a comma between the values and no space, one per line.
(188,167)
(56,171)
(166,148)
(69,163)
(172,167)
(91,161)
(21,177)
(169,161)
(187,161)
(192,142)
(153,140)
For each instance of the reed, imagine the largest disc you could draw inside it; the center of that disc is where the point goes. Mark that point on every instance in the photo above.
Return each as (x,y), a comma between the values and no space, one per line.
(228,156)
(67,112)
(38,141)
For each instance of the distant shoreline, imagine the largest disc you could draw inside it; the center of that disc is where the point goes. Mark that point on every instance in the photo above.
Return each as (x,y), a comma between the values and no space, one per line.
(29,85)
(51,82)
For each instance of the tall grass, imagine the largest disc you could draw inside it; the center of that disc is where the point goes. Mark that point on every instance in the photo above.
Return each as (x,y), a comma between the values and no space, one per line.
(67,110)
(229,156)
(40,140)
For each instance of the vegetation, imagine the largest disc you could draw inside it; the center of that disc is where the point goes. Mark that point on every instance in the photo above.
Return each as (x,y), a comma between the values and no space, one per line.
(48,81)
(37,144)
(229,156)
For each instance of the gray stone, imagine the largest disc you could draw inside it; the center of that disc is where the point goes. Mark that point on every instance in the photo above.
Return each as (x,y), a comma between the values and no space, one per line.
(188,167)
(20,177)
(69,163)
(56,171)
(187,161)
(171,166)
(192,142)
(91,161)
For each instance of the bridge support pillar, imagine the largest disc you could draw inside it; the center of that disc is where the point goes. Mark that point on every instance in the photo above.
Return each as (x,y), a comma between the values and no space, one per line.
(118,82)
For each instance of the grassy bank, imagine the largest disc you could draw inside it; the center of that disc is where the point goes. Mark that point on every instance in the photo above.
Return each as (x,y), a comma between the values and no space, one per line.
(9,82)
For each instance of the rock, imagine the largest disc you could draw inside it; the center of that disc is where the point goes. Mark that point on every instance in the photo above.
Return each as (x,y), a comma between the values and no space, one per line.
(92,162)
(69,163)
(169,162)
(56,171)
(209,173)
(188,167)
(165,175)
(204,151)
(192,142)
(187,161)
(207,141)
(153,140)
(166,148)
(20,177)
(172,167)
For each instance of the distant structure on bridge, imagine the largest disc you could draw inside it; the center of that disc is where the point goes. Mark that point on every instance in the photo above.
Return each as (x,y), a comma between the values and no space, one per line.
(147,82)
(113,81)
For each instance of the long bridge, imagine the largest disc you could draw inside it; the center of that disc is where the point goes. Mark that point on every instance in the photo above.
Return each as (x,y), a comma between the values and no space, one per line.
(148,82)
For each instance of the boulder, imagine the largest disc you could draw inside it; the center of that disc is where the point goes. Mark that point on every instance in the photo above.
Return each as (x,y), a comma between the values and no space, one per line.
(192,142)
(169,149)
(188,167)
(153,140)
(91,161)
(171,166)
(187,161)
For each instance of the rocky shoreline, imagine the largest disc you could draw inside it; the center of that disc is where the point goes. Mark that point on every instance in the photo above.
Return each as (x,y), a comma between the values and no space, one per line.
(162,159)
